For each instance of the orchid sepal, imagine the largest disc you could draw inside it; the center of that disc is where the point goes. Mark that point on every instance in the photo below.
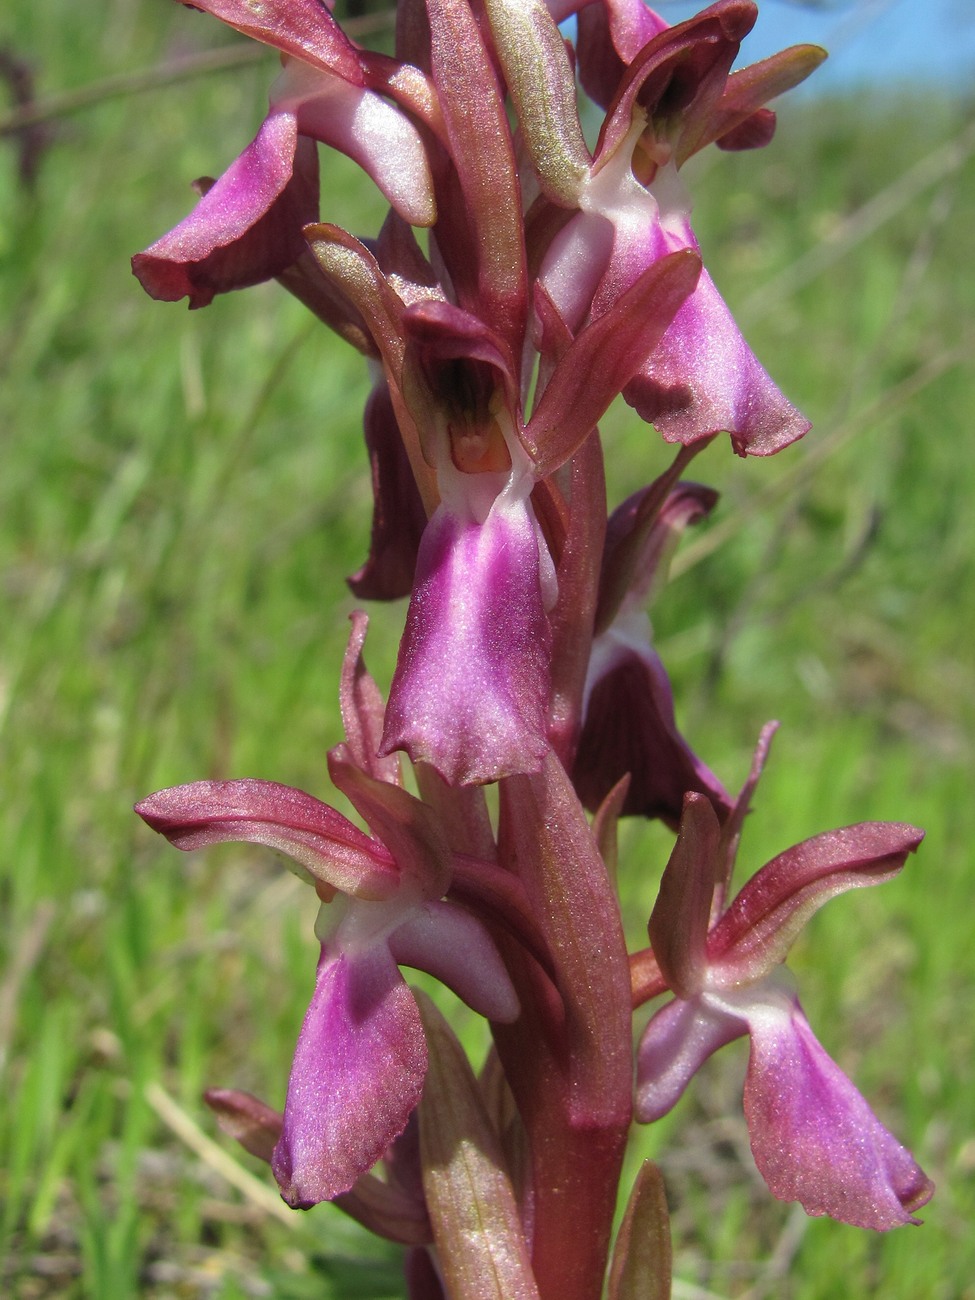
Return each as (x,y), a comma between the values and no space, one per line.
(482,153)
(407,828)
(749,89)
(757,930)
(325,846)
(304,29)
(247,225)
(604,357)
(543,89)
(363,709)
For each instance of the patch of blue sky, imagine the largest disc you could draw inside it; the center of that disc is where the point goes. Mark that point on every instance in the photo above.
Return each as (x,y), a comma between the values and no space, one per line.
(870,42)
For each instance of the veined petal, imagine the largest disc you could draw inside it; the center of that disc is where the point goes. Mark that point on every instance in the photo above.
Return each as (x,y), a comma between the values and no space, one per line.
(357,1075)
(703,379)
(605,355)
(366,127)
(247,226)
(629,726)
(398,516)
(675,1044)
(448,942)
(678,925)
(325,844)
(472,681)
(814,1138)
(304,28)
(755,933)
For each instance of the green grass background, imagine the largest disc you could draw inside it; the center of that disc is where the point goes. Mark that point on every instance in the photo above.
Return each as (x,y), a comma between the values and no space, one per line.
(182,495)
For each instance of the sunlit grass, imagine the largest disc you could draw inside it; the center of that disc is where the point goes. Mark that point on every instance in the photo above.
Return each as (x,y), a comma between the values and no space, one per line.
(182,497)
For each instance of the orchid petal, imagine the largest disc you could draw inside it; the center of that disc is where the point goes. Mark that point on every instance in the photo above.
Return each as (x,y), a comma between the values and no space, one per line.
(366,127)
(749,89)
(357,1075)
(363,708)
(758,929)
(678,925)
(640,537)
(483,156)
(611,35)
(574,265)
(472,680)
(306,280)
(629,726)
(356,273)
(755,132)
(448,942)
(703,379)
(632,23)
(247,226)
(398,516)
(677,78)
(731,831)
(454,366)
(353,269)
(605,355)
(675,1044)
(304,28)
(407,827)
(814,1138)
(578,579)
(323,842)
(254,1124)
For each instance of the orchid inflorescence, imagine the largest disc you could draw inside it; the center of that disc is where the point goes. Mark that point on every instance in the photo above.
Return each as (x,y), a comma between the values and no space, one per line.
(552,278)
